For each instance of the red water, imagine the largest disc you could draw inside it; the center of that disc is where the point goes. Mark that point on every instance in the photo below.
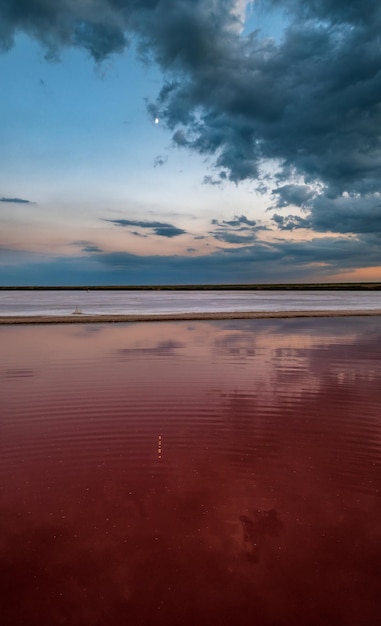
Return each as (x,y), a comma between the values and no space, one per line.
(208,473)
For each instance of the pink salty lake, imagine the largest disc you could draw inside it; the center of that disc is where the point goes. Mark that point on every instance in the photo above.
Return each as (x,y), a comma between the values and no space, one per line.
(174,473)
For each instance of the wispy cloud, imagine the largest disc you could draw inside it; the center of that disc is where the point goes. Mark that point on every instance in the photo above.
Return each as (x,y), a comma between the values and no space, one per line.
(16,201)
(160,160)
(239,230)
(238,220)
(159,228)
(87,246)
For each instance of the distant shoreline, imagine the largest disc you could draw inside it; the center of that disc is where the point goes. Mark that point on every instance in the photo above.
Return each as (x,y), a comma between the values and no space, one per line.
(360,286)
(172,317)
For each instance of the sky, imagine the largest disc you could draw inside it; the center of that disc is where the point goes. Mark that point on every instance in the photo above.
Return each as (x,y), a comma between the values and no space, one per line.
(189,141)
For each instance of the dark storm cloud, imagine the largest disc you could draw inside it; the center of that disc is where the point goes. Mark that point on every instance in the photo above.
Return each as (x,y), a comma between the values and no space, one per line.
(296,195)
(159,228)
(290,222)
(343,214)
(304,101)
(308,100)
(335,10)
(90,25)
(16,201)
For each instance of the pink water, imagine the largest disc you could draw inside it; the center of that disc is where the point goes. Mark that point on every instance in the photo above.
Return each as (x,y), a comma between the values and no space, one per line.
(177,473)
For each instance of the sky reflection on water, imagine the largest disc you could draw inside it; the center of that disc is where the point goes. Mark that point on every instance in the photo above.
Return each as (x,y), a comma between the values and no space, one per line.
(179,473)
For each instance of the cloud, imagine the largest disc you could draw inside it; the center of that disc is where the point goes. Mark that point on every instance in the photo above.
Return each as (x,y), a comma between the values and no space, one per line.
(232,237)
(239,230)
(16,201)
(334,252)
(87,246)
(209,180)
(307,101)
(90,25)
(159,228)
(237,221)
(296,195)
(277,261)
(259,262)
(91,248)
(137,234)
(290,222)
(353,213)
(160,160)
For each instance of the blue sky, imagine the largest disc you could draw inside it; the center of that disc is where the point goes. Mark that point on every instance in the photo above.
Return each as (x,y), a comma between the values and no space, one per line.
(197,141)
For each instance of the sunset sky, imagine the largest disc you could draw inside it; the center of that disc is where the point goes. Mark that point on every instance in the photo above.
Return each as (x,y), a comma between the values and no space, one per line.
(189,141)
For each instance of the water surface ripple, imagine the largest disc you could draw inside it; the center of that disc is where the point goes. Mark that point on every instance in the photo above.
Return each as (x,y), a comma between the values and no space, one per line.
(191,473)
